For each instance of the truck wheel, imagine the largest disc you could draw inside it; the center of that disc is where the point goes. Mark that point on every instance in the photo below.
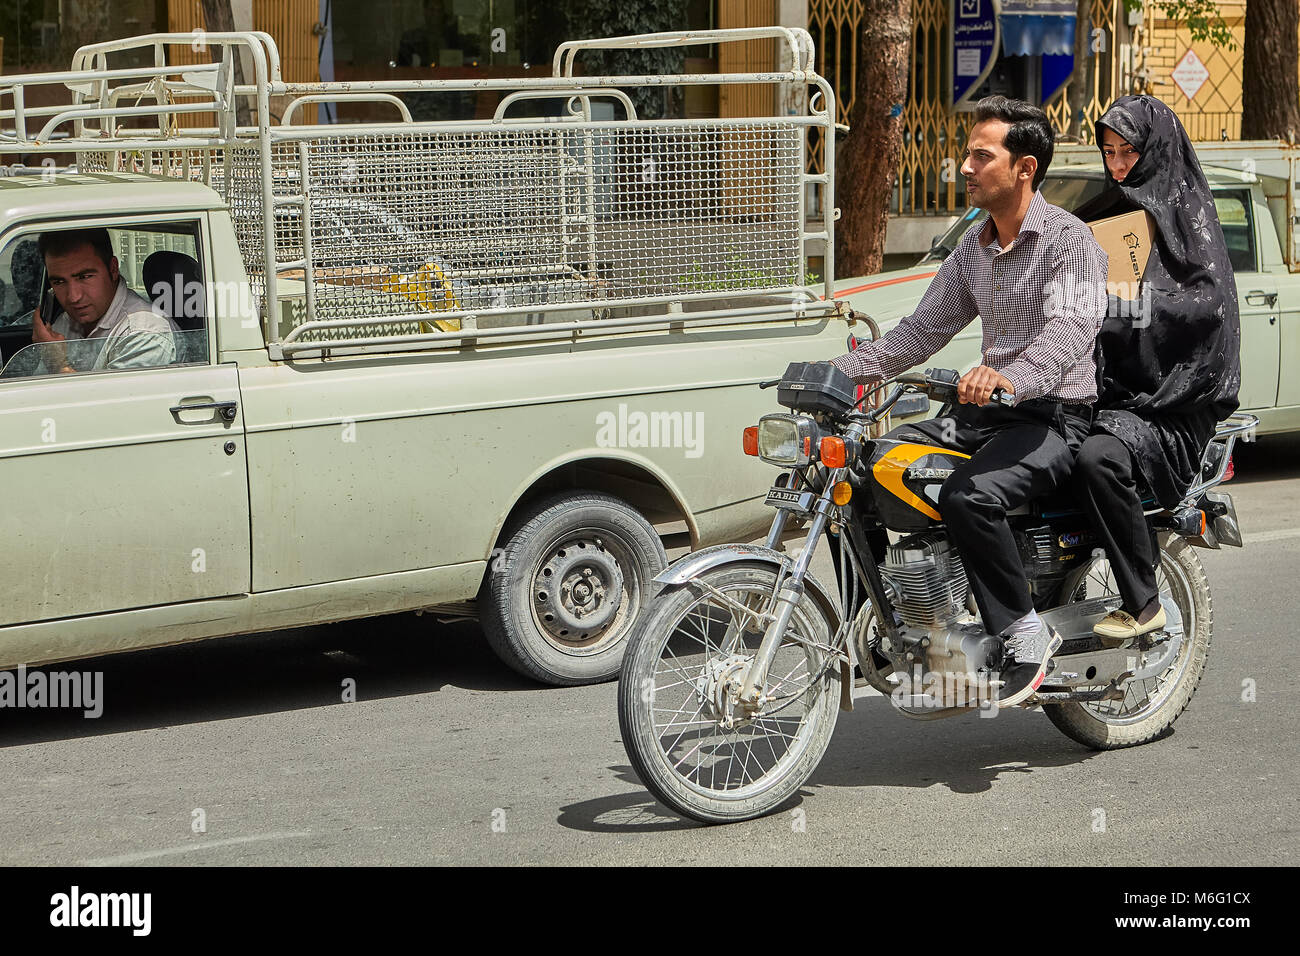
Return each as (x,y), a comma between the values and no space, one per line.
(560,598)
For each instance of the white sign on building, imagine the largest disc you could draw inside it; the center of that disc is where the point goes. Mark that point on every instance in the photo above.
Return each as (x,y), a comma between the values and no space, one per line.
(1190,74)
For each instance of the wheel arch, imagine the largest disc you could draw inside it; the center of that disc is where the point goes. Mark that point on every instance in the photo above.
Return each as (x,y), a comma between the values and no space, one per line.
(629,477)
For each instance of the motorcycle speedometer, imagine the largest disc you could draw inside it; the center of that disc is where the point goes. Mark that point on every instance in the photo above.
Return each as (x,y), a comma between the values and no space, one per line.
(787,440)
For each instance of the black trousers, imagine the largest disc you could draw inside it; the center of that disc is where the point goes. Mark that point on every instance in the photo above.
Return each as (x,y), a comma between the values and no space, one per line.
(1105,481)
(1017,454)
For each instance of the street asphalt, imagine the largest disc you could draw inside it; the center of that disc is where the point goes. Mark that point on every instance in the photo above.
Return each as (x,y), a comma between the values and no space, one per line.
(242,751)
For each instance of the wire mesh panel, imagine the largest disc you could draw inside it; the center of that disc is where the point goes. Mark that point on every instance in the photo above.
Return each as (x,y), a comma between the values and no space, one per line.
(400,227)
(498,221)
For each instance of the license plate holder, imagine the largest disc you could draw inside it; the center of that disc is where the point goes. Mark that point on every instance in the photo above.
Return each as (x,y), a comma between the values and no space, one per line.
(800,502)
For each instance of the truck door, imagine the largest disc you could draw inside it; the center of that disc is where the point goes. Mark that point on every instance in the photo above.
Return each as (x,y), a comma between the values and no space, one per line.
(1257,298)
(125,483)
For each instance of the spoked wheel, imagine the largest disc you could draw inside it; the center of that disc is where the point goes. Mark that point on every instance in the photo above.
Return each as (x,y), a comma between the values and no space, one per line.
(691,742)
(1149,706)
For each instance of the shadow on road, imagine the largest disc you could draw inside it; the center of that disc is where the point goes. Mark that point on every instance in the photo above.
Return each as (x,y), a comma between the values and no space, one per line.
(624,812)
(1271,458)
(873,747)
(391,656)
(876,747)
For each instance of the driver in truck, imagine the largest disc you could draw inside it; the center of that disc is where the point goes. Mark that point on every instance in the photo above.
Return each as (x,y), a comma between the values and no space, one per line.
(1037,350)
(96,305)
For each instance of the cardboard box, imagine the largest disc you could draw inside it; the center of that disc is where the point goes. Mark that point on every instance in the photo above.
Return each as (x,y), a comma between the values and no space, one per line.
(1126,240)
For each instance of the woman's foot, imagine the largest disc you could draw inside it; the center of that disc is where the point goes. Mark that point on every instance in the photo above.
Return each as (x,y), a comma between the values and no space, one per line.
(1119,626)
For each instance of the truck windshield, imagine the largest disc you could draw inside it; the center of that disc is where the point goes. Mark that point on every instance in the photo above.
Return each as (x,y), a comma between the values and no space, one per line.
(1068,192)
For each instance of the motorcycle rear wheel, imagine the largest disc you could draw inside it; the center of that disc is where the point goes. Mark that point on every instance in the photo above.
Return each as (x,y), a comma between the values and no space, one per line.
(1149,707)
(673,673)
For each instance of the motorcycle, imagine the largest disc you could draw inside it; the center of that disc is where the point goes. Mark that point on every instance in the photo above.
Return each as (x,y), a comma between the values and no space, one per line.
(736,669)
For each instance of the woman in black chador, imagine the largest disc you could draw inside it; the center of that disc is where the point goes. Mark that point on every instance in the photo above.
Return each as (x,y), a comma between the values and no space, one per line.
(1168,367)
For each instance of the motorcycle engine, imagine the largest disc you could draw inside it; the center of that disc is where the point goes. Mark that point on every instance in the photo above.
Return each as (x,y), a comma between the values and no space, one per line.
(928,579)
(942,653)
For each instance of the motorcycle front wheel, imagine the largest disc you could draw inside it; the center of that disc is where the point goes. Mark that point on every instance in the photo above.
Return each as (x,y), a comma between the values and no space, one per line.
(1151,706)
(685,658)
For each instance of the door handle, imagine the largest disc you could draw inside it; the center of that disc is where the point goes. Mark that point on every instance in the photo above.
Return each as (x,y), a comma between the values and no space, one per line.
(1260,297)
(225,412)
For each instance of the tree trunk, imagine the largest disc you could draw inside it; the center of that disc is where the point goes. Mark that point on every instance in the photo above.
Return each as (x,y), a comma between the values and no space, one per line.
(1077,90)
(867,160)
(81,24)
(1270,91)
(219,18)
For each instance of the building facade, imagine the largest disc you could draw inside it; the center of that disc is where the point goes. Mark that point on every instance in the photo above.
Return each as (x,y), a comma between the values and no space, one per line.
(1029,56)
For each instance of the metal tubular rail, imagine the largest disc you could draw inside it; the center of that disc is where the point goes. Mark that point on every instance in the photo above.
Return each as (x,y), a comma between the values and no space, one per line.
(314,148)
(1227,431)
(797,39)
(292,343)
(287,118)
(579,93)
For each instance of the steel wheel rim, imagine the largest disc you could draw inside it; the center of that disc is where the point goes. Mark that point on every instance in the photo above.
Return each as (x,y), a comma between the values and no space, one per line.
(679,715)
(600,541)
(1151,694)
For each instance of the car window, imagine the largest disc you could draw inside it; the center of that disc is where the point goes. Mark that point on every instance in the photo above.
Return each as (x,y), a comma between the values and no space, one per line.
(1068,192)
(20,281)
(163,322)
(1233,209)
(134,351)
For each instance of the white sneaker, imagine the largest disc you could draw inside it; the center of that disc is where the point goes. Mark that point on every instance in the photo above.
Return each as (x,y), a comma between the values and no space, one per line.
(1028,661)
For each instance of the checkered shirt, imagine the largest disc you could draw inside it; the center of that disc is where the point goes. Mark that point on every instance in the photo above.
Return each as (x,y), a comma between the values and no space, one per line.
(1041,301)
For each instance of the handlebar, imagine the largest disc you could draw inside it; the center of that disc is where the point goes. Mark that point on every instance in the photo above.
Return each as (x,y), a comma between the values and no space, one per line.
(940,384)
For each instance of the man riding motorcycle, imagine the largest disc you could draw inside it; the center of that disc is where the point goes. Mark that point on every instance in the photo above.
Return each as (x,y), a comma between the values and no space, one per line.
(1037,346)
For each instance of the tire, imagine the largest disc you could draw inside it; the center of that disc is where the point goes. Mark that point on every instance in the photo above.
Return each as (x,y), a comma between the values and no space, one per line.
(562,635)
(666,668)
(1149,707)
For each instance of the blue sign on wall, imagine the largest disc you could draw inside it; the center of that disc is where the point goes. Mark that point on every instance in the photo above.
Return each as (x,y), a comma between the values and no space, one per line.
(975,35)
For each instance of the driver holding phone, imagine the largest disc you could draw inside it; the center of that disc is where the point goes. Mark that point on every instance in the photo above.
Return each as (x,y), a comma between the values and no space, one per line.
(121,330)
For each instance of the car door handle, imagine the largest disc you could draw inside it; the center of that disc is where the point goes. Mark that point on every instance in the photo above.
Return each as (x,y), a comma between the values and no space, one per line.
(1260,297)
(221,412)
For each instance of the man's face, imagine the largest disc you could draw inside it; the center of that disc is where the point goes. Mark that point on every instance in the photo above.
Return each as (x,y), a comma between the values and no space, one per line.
(82,283)
(992,174)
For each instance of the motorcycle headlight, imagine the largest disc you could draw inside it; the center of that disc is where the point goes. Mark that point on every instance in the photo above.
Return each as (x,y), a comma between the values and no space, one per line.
(786,440)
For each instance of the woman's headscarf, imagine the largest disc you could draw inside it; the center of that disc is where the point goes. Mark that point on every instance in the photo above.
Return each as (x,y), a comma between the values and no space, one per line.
(1167,370)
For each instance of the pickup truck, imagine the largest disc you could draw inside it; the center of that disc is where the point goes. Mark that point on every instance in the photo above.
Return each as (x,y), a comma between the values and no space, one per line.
(1255,195)
(489,369)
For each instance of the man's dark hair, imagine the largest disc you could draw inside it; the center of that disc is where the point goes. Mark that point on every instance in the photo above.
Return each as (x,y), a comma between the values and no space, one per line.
(1030,133)
(69,240)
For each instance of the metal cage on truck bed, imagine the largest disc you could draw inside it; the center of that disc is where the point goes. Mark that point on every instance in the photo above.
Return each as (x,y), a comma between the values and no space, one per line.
(404,232)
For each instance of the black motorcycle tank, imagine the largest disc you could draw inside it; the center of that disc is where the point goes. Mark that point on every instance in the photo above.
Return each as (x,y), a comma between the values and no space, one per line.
(905,478)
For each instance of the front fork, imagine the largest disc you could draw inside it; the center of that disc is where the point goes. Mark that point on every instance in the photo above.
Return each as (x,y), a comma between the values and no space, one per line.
(790,593)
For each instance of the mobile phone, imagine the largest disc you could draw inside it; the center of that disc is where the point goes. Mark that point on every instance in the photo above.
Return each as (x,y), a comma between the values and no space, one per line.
(49,304)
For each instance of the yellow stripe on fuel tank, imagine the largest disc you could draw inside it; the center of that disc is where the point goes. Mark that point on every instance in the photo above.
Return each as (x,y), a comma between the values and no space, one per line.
(889,472)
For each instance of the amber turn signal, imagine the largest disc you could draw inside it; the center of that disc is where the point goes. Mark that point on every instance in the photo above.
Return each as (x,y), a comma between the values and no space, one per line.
(841,493)
(750,440)
(832,452)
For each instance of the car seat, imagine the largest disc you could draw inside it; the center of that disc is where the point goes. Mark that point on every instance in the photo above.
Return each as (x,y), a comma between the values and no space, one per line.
(169,279)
